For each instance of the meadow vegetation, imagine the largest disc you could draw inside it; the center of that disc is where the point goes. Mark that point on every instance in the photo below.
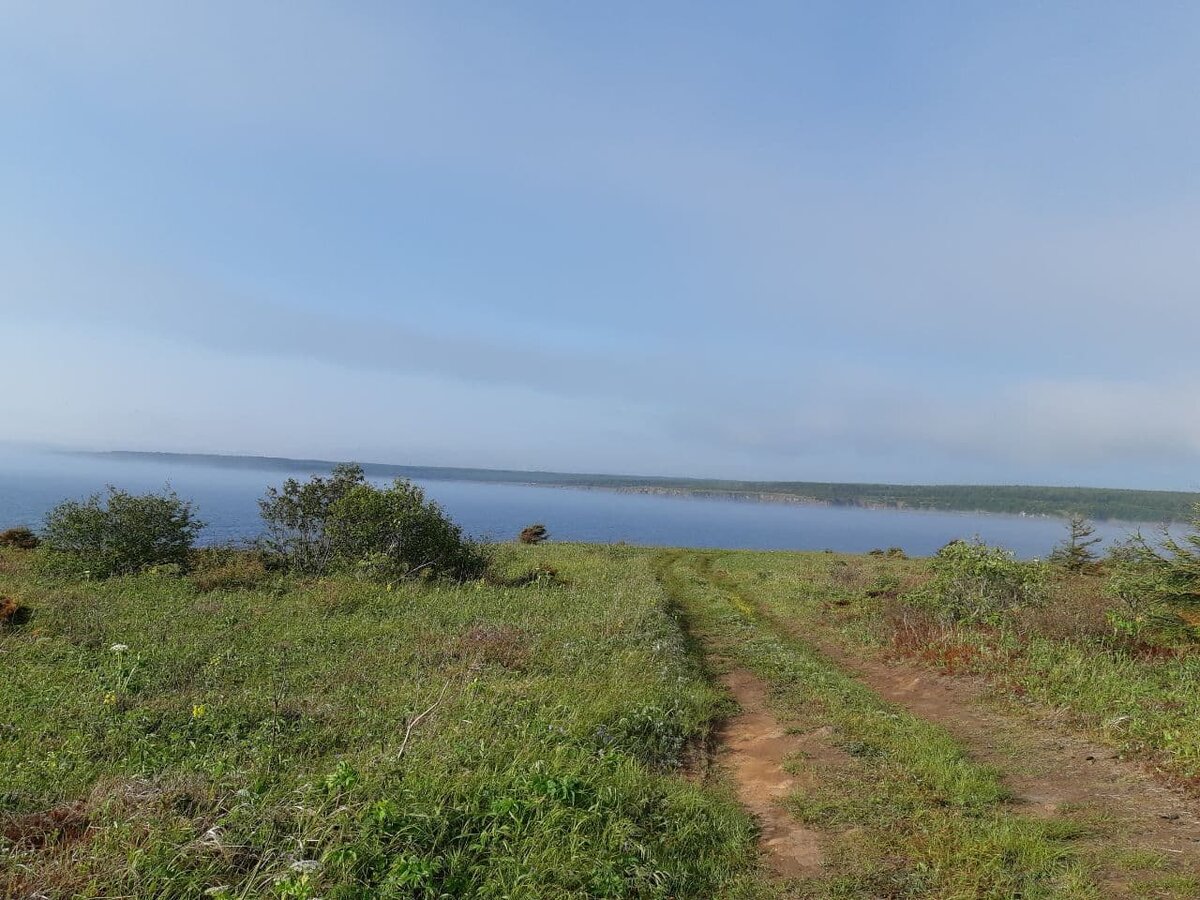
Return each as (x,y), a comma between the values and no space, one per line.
(906,812)
(1112,647)
(368,703)
(293,736)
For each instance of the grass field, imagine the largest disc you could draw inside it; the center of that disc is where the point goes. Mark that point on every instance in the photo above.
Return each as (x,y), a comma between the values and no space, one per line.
(336,739)
(551,739)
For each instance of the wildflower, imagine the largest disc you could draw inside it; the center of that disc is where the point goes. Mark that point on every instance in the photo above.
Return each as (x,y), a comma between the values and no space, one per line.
(119,648)
(305,866)
(110,699)
(198,711)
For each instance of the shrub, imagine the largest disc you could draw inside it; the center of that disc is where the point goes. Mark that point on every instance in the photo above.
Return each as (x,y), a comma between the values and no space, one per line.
(296,516)
(395,532)
(1075,554)
(120,534)
(344,523)
(20,538)
(1140,612)
(1157,587)
(533,534)
(973,582)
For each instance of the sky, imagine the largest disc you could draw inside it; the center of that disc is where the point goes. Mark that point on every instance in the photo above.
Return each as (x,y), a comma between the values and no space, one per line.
(919,242)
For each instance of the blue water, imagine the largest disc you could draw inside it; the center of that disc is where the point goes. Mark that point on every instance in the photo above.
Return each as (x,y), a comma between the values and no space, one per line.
(30,484)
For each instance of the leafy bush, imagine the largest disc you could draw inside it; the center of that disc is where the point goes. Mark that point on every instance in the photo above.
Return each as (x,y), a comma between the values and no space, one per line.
(395,532)
(533,534)
(20,538)
(120,534)
(296,517)
(344,523)
(973,582)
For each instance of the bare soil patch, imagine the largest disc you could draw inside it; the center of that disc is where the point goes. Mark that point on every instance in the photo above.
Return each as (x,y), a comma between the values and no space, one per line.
(753,747)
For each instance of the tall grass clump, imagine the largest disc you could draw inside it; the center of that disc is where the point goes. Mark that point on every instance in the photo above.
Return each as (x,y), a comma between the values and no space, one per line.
(119,533)
(344,523)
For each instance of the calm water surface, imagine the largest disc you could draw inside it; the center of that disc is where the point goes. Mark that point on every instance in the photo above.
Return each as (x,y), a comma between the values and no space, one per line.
(227,499)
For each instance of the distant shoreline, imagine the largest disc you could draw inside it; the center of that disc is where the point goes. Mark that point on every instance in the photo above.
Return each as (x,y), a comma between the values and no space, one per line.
(1104,504)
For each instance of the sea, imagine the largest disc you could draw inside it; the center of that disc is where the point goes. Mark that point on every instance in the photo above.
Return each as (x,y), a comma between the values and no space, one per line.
(32,482)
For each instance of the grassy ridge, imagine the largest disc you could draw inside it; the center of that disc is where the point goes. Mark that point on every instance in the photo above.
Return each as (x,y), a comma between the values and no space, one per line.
(335,738)
(1097,503)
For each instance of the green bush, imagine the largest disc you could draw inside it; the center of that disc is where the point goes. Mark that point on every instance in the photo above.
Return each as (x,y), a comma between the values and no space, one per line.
(395,532)
(344,523)
(973,582)
(120,533)
(296,516)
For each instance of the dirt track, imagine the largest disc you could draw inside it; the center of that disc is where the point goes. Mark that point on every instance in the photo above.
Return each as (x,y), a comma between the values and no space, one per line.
(1052,771)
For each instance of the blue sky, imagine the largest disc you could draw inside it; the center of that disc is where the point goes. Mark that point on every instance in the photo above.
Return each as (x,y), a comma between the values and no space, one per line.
(872,241)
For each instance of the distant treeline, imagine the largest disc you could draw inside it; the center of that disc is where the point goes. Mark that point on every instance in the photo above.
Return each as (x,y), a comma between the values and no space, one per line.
(1095,503)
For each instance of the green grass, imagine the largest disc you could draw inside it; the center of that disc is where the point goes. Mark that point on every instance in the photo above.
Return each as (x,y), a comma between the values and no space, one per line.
(1143,701)
(334,738)
(265,736)
(909,814)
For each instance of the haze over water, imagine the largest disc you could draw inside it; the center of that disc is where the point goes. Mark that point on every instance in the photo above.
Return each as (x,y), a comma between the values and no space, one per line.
(31,483)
